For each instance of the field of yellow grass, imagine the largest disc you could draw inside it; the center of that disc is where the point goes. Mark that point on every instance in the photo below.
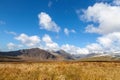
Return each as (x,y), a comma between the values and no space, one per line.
(60,71)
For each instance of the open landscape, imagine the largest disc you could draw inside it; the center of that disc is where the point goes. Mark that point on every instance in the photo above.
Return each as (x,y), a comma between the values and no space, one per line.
(39,64)
(59,39)
(69,70)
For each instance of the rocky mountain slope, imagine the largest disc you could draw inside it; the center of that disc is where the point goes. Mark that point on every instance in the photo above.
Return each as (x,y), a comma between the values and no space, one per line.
(34,54)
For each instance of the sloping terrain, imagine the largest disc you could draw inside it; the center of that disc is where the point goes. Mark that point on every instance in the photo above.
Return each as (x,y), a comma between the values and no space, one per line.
(10,59)
(101,58)
(65,55)
(34,54)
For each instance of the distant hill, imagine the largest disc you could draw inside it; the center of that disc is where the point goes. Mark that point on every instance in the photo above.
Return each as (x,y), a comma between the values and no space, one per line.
(64,55)
(34,54)
(100,58)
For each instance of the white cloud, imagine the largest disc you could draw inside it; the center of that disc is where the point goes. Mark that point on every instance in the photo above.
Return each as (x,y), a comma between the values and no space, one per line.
(110,42)
(30,41)
(106,43)
(67,31)
(11,32)
(116,2)
(94,48)
(91,29)
(74,50)
(34,41)
(49,44)
(12,46)
(105,18)
(46,22)
(50,4)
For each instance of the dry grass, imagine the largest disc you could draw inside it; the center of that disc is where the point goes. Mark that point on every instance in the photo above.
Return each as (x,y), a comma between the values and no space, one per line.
(60,71)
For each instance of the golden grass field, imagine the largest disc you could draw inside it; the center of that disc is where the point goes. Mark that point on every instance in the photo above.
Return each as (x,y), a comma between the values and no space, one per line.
(60,71)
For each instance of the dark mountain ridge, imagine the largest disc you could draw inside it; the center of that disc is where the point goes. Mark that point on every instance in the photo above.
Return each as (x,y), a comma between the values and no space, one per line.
(29,54)
(34,54)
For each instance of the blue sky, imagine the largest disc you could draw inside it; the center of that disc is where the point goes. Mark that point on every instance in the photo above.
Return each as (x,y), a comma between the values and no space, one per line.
(71,24)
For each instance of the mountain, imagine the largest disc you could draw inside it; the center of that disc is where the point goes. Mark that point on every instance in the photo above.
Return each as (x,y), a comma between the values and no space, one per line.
(65,55)
(105,57)
(34,54)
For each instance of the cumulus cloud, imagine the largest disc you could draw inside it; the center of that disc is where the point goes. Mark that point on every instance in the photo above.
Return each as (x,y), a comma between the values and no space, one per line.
(74,50)
(35,41)
(30,41)
(49,44)
(94,48)
(110,42)
(106,43)
(12,46)
(67,31)
(105,18)
(116,2)
(46,22)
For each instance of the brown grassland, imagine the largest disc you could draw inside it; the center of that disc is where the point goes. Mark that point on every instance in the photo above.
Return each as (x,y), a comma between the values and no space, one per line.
(60,71)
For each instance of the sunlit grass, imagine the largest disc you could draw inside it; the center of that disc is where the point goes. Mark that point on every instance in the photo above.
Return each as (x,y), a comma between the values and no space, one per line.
(60,71)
